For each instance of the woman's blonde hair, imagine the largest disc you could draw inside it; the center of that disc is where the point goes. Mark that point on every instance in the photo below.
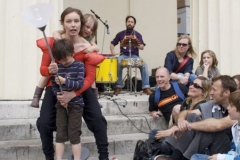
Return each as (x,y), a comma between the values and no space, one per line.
(190,51)
(206,85)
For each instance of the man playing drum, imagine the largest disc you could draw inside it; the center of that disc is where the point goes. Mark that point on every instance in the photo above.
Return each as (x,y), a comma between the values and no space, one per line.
(131,41)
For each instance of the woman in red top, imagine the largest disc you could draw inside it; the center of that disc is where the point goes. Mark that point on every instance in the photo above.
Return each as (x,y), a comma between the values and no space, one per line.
(71,20)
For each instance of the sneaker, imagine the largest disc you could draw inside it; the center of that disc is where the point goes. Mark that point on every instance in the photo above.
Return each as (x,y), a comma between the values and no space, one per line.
(117,91)
(147,91)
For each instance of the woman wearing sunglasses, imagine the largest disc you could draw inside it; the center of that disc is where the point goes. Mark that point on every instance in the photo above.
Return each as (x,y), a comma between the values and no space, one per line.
(198,93)
(179,62)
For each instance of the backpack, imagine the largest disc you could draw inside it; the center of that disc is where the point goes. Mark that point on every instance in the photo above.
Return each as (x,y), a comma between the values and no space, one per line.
(146,150)
(176,89)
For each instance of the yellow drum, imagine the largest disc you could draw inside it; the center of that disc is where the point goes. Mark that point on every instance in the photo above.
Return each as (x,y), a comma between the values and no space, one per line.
(106,72)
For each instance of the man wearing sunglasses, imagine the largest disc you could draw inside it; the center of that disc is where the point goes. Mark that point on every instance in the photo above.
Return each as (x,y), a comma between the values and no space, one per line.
(209,126)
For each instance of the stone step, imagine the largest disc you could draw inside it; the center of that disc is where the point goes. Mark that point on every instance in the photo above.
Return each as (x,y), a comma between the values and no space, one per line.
(123,144)
(125,156)
(24,129)
(128,104)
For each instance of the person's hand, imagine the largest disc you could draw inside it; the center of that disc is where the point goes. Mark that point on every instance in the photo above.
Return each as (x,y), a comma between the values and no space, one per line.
(213,157)
(60,80)
(206,65)
(166,133)
(183,124)
(66,97)
(53,68)
(89,50)
(183,80)
(155,114)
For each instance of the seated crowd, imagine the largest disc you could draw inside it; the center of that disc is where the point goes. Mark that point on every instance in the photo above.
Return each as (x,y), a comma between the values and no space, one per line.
(200,108)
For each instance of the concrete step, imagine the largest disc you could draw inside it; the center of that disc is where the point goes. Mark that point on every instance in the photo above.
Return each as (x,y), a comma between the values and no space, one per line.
(111,106)
(123,144)
(24,129)
(126,156)
(19,137)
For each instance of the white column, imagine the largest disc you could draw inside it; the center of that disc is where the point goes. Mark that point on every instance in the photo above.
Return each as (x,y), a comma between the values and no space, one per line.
(20,58)
(215,25)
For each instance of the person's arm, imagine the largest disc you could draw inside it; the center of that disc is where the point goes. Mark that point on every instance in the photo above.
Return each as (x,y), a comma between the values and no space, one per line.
(92,48)
(153,110)
(155,114)
(182,123)
(212,124)
(58,34)
(46,59)
(140,46)
(205,70)
(112,49)
(76,83)
(141,42)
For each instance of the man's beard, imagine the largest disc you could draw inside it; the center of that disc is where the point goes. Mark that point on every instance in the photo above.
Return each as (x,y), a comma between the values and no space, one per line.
(130,27)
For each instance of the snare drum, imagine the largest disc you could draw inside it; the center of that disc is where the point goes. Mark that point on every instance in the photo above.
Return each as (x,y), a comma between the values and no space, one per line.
(128,62)
(106,72)
(138,62)
(132,62)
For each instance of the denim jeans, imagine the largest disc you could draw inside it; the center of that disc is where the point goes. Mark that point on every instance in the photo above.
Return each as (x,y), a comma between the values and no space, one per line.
(199,157)
(143,70)
(191,78)
(153,133)
(165,148)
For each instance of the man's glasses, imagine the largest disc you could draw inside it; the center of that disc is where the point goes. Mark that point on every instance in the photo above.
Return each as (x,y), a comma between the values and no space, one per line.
(195,85)
(182,44)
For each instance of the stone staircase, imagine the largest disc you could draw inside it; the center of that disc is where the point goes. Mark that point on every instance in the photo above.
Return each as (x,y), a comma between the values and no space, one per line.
(127,116)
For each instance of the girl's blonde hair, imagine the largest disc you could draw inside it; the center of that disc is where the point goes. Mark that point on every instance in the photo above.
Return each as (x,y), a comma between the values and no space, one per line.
(213,55)
(89,17)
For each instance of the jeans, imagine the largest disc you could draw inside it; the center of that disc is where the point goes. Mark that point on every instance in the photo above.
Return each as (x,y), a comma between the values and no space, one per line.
(199,157)
(165,148)
(92,115)
(143,70)
(191,78)
(153,133)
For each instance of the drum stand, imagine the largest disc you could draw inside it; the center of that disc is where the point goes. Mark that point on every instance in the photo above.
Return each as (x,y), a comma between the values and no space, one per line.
(129,67)
(129,80)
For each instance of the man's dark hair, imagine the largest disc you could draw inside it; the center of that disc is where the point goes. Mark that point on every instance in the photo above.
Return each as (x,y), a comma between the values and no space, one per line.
(228,82)
(135,21)
(62,48)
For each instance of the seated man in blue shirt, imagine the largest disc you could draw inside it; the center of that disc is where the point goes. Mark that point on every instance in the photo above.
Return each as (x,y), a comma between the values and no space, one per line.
(125,50)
